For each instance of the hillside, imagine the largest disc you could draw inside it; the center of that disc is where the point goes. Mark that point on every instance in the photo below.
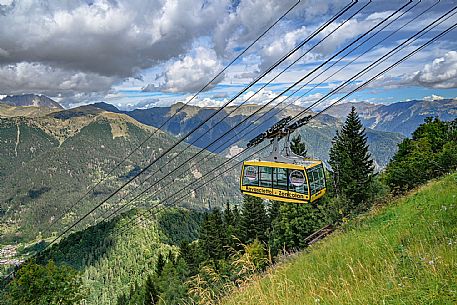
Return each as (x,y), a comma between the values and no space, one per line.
(27,111)
(317,135)
(49,162)
(403,117)
(110,263)
(404,253)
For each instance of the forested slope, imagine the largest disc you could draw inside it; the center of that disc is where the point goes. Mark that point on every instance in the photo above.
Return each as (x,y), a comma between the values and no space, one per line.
(49,162)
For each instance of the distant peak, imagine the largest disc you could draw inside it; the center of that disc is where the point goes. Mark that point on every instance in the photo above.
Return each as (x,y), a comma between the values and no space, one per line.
(29,99)
(106,107)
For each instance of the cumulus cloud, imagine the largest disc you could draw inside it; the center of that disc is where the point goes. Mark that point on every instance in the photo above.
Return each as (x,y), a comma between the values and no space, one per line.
(190,73)
(111,40)
(33,77)
(276,49)
(440,74)
(79,50)
(433,97)
(308,100)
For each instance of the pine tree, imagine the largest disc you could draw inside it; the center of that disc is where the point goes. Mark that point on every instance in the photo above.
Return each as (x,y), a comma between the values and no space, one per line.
(191,255)
(160,264)
(230,227)
(351,162)
(254,220)
(213,236)
(298,147)
(151,292)
(228,215)
(273,211)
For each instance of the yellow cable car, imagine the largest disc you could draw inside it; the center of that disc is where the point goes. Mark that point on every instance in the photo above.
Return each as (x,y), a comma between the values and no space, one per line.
(284,177)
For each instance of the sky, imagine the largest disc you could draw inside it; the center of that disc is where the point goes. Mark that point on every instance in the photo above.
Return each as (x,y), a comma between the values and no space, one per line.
(142,54)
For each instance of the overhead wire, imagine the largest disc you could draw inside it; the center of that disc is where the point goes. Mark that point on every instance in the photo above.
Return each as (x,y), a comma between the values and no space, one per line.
(227,143)
(392,52)
(153,213)
(277,63)
(149,137)
(239,123)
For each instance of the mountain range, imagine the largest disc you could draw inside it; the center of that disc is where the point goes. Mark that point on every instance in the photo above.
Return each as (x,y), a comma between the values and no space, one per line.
(403,117)
(317,135)
(51,156)
(49,162)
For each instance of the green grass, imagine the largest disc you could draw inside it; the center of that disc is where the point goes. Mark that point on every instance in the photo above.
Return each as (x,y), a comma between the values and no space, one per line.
(404,253)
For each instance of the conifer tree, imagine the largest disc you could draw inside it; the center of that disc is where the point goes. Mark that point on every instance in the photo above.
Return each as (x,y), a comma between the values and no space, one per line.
(254,220)
(151,292)
(236,229)
(160,264)
(230,227)
(273,211)
(292,225)
(228,215)
(212,236)
(298,147)
(236,216)
(351,162)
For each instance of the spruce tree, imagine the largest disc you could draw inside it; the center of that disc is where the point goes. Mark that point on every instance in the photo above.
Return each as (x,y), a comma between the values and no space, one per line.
(298,147)
(213,236)
(351,162)
(151,292)
(254,220)
(273,211)
(228,215)
(160,264)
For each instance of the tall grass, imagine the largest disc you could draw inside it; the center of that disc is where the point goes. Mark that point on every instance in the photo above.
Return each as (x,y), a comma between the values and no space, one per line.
(405,253)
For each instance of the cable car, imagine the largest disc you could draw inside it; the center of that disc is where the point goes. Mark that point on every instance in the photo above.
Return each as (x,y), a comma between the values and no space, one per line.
(282,176)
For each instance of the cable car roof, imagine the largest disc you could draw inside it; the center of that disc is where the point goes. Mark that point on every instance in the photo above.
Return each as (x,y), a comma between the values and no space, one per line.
(295,164)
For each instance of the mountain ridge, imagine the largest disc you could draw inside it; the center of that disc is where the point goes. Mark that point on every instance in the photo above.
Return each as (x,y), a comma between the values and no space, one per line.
(36,100)
(317,134)
(403,117)
(50,161)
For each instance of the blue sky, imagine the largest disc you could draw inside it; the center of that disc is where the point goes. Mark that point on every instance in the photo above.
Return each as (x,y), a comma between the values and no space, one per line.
(140,54)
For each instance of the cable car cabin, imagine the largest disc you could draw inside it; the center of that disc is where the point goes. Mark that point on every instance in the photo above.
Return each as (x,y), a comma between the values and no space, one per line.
(283,175)
(300,182)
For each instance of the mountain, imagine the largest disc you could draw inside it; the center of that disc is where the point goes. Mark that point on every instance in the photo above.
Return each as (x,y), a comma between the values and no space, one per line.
(30,100)
(403,117)
(317,135)
(49,162)
(24,111)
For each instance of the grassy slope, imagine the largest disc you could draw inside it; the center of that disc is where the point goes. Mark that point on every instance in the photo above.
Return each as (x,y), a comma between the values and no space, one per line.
(405,253)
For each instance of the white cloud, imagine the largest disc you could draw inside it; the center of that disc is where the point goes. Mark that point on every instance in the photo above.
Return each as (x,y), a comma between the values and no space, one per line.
(308,100)
(36,77)
(190,73)
(87,49)
(441,73)
(433,97)
(111,39)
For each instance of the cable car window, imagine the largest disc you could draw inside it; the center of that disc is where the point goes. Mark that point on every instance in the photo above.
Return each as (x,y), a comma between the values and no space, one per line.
(316,179)
(297,181)
(251,176)
(266,175)
(280,178)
